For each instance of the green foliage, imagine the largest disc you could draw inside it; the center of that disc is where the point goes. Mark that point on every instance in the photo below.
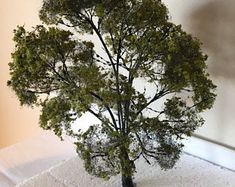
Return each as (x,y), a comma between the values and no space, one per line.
(54,68)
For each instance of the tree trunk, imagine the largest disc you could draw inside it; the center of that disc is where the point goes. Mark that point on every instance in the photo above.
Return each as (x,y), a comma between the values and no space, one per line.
(128,167)
(127,181)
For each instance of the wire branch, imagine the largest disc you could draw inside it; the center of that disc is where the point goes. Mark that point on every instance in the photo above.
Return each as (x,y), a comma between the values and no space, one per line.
(156,97)
(107,107)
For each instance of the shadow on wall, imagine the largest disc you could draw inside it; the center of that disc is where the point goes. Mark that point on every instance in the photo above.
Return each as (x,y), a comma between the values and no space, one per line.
(214,24)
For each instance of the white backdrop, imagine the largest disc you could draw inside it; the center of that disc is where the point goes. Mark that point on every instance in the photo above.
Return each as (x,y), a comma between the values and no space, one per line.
(213,22)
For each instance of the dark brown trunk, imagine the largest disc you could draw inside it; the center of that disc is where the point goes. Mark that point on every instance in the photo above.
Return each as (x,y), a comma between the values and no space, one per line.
(127,181)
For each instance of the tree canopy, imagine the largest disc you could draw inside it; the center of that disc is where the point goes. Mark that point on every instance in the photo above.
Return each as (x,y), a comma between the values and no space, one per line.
(54,67)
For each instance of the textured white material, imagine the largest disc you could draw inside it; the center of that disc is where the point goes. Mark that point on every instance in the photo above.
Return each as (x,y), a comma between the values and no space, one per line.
(212,152)
(28,158)
(189,172)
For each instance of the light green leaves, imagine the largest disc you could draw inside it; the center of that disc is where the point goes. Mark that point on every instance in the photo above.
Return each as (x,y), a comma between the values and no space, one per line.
(57,115)
(35,67)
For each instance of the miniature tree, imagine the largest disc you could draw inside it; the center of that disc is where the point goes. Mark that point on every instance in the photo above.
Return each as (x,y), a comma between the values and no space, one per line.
(54,67)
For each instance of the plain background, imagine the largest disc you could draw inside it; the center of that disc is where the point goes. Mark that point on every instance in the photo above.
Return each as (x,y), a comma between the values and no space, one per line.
(16,122)
(210,20)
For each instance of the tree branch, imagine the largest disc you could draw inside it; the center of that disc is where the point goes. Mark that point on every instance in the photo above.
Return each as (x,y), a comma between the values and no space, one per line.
(98,117)
(119,104)
(101,40)
(156,97)
(107,107)
(42,92)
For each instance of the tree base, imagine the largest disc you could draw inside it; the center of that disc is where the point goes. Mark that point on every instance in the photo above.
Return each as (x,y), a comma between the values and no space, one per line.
(127,182)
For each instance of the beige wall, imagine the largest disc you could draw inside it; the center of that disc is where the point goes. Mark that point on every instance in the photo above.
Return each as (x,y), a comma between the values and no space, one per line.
(16,123)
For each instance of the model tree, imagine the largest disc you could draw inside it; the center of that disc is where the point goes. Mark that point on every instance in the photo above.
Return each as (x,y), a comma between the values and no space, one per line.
(55,67)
